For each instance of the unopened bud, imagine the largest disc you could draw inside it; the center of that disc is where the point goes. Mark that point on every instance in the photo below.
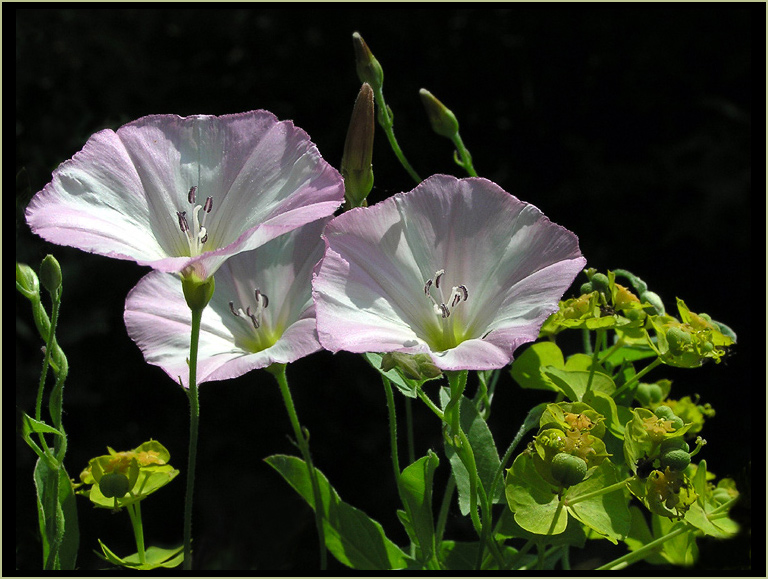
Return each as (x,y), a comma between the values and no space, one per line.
(441,118)
(368,68)
(26,281)
(413,366)
(197,293)
(356,167)
(50,274)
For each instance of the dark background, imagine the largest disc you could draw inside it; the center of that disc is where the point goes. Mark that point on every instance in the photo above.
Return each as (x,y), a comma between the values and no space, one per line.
(629,126)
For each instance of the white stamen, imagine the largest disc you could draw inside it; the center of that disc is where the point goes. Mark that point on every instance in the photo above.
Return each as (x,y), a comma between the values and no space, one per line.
(442,308)
(262,301)
(197,234)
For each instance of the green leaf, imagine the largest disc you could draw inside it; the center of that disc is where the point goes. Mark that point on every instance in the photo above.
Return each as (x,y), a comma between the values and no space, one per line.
(574,383)
(461,556)
(416,484)
(57,516)
(154,558)
(606,406)
(680,550)
(507,528)
(537,508)
(351,536)
(526,369)
(607,514)
(640,535)
(483,447)
(150,479)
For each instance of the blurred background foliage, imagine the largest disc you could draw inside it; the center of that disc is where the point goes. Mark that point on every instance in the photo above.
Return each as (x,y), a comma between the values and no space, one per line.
(630,126)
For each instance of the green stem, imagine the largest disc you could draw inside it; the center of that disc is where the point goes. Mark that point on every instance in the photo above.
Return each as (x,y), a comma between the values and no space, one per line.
(600,492)
(431,405)
(442,516)
(386,122)
(598,345)
(194,420)
(466,159)
(392,429)
(637,377)
(643,551)
(409,431)
(50,344)
(134,511)
(278,371)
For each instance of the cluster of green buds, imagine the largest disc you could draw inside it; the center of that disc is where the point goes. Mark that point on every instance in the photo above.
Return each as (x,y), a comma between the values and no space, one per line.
(569,443)
(656,450)
(691,340)
(602,304)
(418,367)
(118,479)
(654,395)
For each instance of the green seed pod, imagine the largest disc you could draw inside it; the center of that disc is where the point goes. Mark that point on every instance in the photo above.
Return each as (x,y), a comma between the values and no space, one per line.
(677,422)
(675,459)
(676,443)
(114,485)
(664,412)
(586,288)
(567,469)
(552,440)
(600,283)
(678,340)
(648,394)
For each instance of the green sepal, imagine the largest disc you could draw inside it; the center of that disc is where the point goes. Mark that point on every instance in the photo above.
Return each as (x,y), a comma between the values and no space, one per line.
(197,292)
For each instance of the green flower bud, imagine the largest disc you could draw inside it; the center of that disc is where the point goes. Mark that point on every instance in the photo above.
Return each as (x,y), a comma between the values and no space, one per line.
(356,165)
(675,459)
(586,288)
(600,283)
(441,118)
(567,469)
(26,281)
(648,394)
(114,485)
(368,68)
(50,274)
(412,366)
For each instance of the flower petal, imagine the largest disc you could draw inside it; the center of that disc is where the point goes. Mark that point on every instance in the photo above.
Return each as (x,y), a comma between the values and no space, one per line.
(511,261)
(159,321)
(120,194)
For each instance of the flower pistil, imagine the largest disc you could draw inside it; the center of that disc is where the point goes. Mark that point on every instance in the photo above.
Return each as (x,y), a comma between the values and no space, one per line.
(196,235)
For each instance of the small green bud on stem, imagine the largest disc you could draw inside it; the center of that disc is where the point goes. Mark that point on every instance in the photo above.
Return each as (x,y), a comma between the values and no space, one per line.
(368,68)
(441,118)
(50,274)
(27,282)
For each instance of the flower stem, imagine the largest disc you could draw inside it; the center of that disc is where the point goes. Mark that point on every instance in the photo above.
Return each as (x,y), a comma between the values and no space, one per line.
(637,377)
(598,345)
(643,551)
(386,122)
(600,492)
(194,420)
(278,371)
(463,159)
(134,511)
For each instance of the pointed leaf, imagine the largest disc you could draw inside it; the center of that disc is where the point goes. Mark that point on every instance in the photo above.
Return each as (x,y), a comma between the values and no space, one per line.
(350,535)
(416,483)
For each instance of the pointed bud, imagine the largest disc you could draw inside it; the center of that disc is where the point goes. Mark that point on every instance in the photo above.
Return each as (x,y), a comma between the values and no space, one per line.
(50,274)
(441,118)
(368,68)
(27,282)
(418,367)
(356,165)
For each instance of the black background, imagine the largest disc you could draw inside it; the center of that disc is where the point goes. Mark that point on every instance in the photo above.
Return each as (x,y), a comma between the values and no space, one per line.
(630,126)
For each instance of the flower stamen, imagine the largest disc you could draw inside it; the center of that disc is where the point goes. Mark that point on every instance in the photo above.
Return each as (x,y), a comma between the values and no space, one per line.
(256,316)
(197,235)
(458,294)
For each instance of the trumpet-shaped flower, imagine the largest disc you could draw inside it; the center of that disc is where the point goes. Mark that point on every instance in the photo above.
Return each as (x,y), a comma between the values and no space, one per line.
(261,312)
(457,269)
(182,194)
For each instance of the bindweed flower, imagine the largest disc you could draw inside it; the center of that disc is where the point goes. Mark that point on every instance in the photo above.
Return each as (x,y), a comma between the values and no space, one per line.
(260,314)
(182,194)
(457,269)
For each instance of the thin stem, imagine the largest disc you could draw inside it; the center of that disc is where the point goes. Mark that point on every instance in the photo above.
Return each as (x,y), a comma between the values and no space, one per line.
(278,371)
(466,159)
(431,405)
(643,551)
(600,492)
(134,511)
(637,377)
(194,420)
(392,429)
(442,516)
(386,122)
(50,344)
(409,431)
(598,345)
